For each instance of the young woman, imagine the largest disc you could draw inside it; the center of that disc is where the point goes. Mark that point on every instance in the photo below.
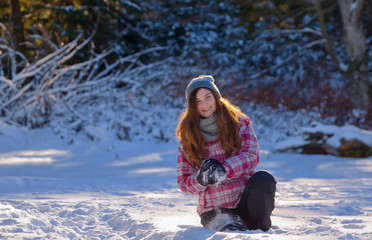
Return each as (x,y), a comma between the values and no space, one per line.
(217,159)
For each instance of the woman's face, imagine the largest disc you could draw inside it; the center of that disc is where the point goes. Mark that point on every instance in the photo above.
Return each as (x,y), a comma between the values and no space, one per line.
(205,102)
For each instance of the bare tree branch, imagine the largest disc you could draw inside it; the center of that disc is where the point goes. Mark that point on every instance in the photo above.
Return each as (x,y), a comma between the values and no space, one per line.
(327,43)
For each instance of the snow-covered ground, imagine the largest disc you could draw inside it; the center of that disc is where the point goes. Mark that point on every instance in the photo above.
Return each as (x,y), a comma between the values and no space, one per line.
(112,189)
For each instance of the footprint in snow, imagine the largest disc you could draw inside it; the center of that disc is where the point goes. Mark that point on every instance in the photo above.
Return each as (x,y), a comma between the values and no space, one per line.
(353,224)
(8,222)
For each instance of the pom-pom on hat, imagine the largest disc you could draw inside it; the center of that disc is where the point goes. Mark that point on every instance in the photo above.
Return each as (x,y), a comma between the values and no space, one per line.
(205,81)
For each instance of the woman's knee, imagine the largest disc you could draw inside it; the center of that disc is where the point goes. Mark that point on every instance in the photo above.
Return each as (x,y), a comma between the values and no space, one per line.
(263,175)
(263,180)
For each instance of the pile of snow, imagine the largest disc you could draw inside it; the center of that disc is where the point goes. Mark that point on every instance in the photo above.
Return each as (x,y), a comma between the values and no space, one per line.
(347,132)
(329,135)
(115,189)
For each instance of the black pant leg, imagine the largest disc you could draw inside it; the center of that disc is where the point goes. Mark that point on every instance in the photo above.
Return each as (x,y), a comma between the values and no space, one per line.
(257,201)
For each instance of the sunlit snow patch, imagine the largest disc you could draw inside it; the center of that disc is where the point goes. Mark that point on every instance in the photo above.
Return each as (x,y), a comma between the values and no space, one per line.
(46,156)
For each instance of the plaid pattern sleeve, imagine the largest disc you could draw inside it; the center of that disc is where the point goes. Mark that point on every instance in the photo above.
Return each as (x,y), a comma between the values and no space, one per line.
(247,159)
(186,175)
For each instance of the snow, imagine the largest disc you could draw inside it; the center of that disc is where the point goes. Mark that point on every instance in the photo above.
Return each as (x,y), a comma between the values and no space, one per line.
(347,132)
(337,133)
(112,189)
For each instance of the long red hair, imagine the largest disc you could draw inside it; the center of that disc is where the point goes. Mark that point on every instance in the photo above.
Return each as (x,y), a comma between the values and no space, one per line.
(229,118)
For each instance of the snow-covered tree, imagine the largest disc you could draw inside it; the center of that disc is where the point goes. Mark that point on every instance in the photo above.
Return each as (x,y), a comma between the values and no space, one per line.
(356,67)
(355,40)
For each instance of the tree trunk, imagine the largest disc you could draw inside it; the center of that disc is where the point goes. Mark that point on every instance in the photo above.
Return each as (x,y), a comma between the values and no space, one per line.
(16,25)
(357,72)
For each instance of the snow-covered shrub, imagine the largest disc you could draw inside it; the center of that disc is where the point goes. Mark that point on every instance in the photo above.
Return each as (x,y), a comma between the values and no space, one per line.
(85,96)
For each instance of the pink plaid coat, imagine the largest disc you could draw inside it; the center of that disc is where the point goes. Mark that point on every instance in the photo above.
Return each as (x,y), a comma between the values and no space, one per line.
(239,167)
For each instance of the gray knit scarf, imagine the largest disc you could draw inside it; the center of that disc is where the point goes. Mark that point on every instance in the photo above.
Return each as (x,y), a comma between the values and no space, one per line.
(209,129)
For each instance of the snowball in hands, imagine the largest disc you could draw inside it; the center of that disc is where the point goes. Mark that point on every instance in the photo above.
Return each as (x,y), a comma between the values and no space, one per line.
(211,172)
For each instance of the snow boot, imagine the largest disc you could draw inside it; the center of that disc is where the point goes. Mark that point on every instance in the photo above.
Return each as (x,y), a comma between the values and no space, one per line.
(222,219)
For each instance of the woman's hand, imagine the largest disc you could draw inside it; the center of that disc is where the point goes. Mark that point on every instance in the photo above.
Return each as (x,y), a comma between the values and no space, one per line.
(211,172)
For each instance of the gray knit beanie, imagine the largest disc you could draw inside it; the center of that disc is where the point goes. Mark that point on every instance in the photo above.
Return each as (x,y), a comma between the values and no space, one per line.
(205,81)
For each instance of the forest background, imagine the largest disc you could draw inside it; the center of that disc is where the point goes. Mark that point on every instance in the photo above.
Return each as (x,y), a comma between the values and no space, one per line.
(62,62)
(90,93)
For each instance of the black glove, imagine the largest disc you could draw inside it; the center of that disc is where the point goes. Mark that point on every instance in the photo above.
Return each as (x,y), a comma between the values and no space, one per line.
(211,172)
